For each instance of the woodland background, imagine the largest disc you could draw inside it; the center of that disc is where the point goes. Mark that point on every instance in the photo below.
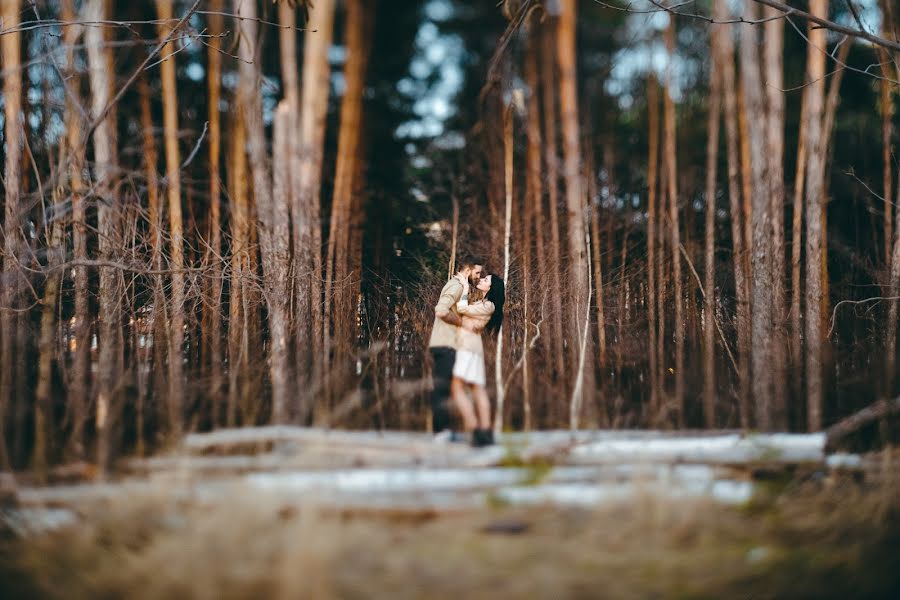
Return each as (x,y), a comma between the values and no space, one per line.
(231,213)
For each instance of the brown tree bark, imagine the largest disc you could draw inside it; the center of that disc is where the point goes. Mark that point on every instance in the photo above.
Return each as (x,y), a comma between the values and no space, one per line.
(306,204)
(238,347)
(105,153)
(887,150)
(709,270)
(796,246)
(773,58)
(175,396)
(216,261)
(533,224)
(674,229)
(725,49)
(339,307)
(761,221)
(273,213)
(815,74)
(551,158)
(80,381)
(652,219)
(12,237)
(575,198)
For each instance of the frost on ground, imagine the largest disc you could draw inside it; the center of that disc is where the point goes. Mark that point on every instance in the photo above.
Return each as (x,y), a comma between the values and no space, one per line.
(294,513)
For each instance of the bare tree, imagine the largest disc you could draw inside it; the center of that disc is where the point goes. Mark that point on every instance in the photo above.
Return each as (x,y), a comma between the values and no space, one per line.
(575,198)
(674,228)
(80,380)
(761,271)
(712,159)
(13,140)
(306,204)
(339,305)
(105,165)
(773,60)
(214,250)
(815,74)
(272,212)
(551,158)
(176,229)
(652,224)
(724,47)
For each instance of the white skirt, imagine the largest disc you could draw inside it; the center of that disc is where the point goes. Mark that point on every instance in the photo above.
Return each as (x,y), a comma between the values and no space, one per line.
(469,367)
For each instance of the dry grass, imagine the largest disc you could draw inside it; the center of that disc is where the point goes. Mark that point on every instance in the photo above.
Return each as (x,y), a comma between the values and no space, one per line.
(803,541)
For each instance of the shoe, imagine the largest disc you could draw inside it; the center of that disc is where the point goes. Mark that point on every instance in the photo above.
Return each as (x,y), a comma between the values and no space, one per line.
(448,436)
(482,438)
(444,436)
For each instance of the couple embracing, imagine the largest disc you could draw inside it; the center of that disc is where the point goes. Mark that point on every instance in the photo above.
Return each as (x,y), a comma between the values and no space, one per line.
(470,305)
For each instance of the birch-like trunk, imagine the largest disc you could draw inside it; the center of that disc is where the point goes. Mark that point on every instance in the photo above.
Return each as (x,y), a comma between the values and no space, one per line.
(507,227)
(105,153)
(306,203)
(273,212)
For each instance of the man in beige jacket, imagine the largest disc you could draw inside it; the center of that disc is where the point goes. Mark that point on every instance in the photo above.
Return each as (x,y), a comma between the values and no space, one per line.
(443,339)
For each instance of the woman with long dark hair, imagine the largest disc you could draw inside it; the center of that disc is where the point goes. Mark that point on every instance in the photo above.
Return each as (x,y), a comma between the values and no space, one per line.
(484,314)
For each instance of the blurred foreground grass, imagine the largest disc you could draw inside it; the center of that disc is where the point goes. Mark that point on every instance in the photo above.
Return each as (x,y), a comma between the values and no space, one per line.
(796,540)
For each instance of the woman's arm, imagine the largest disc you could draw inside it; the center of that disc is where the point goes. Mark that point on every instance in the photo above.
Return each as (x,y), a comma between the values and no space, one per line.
(483,308)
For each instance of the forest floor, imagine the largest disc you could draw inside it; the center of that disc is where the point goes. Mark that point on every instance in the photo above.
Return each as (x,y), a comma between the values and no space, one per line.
(294,513)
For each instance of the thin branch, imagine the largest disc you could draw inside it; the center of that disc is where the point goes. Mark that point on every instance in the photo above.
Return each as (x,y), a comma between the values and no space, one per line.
(863,301)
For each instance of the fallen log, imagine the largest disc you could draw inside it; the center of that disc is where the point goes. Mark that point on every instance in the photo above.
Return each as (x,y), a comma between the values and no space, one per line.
(850,425)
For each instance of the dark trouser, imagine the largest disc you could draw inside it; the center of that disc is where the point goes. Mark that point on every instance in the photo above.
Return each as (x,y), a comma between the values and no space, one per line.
(440,396)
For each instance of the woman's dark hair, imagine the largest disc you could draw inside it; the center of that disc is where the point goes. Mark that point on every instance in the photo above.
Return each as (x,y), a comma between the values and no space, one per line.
(496,295)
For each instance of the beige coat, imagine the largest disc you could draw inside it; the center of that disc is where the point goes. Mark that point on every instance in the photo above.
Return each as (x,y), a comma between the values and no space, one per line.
(443,334)
(475,317)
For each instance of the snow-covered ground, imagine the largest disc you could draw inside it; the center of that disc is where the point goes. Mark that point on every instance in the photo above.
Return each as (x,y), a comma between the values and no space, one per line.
(406,470)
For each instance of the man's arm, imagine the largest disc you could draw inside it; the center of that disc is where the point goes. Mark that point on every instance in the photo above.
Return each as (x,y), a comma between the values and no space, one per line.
(450,295)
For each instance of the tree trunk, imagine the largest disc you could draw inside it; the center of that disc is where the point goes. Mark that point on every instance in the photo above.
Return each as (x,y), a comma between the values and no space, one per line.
(507,227)
(175,398)
(105,152)
(80,380)
(238,351)
(652,218)
(273,212)
(534,196)
(674,231)
(709,270)
(575,200)
(887,151)
(773,50)
(551,158)
(338,308)
(815,74)
(761,220)
(736,190)
(796,247)
(306,203)
(160,311)
(216,261)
